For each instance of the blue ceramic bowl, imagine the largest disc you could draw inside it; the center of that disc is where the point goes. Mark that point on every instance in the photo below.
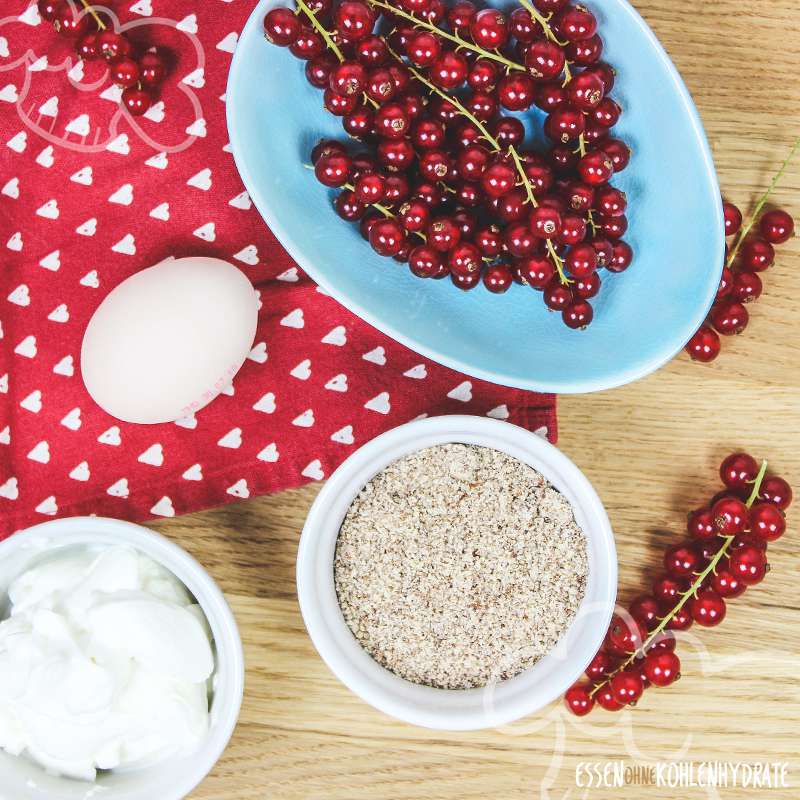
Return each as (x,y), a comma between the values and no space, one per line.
(643,317)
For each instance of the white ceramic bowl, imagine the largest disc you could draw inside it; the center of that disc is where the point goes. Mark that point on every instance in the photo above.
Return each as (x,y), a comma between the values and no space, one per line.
(443,709)
(22,779)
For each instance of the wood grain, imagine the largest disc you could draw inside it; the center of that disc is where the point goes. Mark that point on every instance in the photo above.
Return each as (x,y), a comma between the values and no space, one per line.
(651,449)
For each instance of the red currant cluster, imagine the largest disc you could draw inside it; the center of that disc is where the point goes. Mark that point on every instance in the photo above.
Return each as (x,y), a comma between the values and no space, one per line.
(139,76)
(445,181)
(725,553)
(740,282)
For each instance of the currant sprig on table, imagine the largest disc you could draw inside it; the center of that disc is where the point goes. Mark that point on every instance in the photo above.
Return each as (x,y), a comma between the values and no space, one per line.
(429,91)
(725,554)
(746,259)
(139,74)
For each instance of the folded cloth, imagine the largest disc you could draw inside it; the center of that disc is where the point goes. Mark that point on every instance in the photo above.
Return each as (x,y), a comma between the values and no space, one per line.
(89,196)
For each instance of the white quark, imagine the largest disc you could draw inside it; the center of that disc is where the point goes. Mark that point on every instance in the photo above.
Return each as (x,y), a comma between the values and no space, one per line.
(105,663)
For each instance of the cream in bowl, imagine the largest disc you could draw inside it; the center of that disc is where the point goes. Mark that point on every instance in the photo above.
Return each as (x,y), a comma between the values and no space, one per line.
(121,666)
(457,573)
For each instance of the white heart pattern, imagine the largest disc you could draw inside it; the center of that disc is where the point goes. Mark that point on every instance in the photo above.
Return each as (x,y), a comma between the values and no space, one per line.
(33,402)
(81,472)
(65,367)
(379,403)
(40,453)
(48,507)
(338,383)
(419,372)
(344,435)
(376,356)
(499,412)
(119,489)
(154,455)
(190,422)
(83,176)
(259,353)
(305,420)
(313,470)
(194,473)
(111,436)
(51,261)
(269,453)
(239,489)
(232,439)
(266,403)
(338,336)
(59,314)
(462,392)
(10,489)
(11,189)
(294,319)
(163,508)
(72,420)
(302,371)
(21,296)
(248,255)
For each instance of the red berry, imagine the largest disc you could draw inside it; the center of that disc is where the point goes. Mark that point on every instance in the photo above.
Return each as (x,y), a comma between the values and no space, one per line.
(618,152)
(391,121)
(111,45)
(606,699)
(662,667)
(125,72)
(537,271)
(424,261)
(730,516)
(607,113)
(729,317)
(622,257)
(282,27)
(489,29)
(733,219)
(516,91)
(576,23)
(443,234)
(523,26)
(700,525)
(581,261)
(465,259)
(354,20)
(579,700)
(69,21)
(497,278)
(396,155)
(681,561)
(349,207)
(704,346)
(498,179)
(588,287)
(482,76)
(565,124)
(585,52)
(380,85)
(600,666)
(585,91)
(737,472)
(662,641)
(371,51)
(749,564)
(611,202)
(624,635)
(308,45)
(725,583)
(596,168)
(776,227)
(48,8)
(627,687)
(461,14)
(87,47)
(757,255)
(423,48)
(348,78)
(667,590)
(578,315)
(387,237)
(414,215)
(340,105)
(545,60)
(137,101)
(747,286)
(681,620)
(707,608)
(449,70)
(333,168)
(775,490)
(767,521)
(152,69)
(465,280)
(645,610)
(557,296)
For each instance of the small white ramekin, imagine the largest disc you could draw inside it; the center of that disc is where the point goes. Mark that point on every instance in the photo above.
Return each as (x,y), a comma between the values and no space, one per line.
(22,779)
(499,703)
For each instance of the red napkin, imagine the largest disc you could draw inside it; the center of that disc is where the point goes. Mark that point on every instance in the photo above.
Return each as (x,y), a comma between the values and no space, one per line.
(88,196)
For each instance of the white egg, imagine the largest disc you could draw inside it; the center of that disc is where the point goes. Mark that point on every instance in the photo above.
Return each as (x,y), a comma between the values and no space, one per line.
(166,341)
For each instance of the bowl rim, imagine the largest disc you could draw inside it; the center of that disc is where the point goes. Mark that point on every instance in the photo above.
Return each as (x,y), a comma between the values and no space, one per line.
(444,709)
(81,530)
(613,378)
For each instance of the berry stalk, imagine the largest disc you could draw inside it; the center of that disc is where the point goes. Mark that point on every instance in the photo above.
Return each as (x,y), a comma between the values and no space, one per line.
(320,29)
(743,233)
(95,16)
(452,37)
(691,591)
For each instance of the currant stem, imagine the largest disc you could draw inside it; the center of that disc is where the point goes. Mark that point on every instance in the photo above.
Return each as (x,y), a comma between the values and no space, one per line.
(542,20)
(453,37)
(692,590)
(320,28)
(95,16)
(761,203)
(456,103)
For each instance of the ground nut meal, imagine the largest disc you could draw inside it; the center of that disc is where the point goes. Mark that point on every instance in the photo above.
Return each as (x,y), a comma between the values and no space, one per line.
(459,565)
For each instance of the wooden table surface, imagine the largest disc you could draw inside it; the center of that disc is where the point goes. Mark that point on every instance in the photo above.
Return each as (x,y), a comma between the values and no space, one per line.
(652,451)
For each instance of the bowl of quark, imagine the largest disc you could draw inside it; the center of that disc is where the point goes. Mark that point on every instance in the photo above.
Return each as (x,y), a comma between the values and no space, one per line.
(170,572)
(642,318)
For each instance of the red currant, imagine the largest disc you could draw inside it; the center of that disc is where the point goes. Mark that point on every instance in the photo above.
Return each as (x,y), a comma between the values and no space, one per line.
(578,698)
(449,70)
(333,169)
(730,516)
(516,91)
(581,261)
(578,315)
(69,21)
(461,14)
(387,237)
(111,45)
(747,287)
(497,278)
(725,583)
(545,60)
(596,168)
(733,219)
(308,45)
(354,20)
(767,522)
(627,687)
(775,490)
(349,207)
(704,346)
(749,564)
(87,47)
(136,101)
(662,667)
(738,471)
(700,525)
(729,317)
(645,610)
(371,51)
(282,27)
(757,255)
(152,69)
(557,297)
(776,227)
(681,561)
(606,699)
(576,23)
(588,287)
(681,620)
(489,29)
(465,259)
(125,72)
(707,608)
(424,261)
(423,48)
(585,91)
